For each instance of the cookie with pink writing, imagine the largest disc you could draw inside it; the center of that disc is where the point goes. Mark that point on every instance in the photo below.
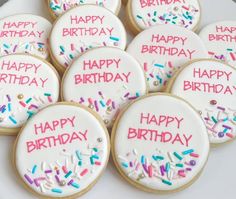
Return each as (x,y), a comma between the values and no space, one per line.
(27,84)
(83,28)
(59,7)
(160,143)
(164,48)
(25,33)
(220,40)
(104,79)
(62,151)
(210,86)
(143,14)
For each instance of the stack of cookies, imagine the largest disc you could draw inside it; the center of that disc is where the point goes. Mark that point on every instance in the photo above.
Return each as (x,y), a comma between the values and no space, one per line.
(165,97)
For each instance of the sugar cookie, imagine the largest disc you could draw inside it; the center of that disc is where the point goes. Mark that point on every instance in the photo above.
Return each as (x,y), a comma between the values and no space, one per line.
(24,33)
(104,79)
(59,7)
(82,28)
(160,143)
(162,49)
(220,40)
(62,151)
(143,14)
(27,84)
(210,86)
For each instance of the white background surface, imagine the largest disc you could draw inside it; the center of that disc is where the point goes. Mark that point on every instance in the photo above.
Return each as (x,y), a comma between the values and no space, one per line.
(216,182)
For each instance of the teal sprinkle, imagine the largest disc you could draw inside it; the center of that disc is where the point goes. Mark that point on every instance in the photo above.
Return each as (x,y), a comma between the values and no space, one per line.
(229,49)
(143,159)
(137,95)
(167,166)
(155,13)
(188,152)
(62,48)
(160,80)
(12,119)
(159,65)
(27,46)
(124,164)
(179,165)
(71,56)
(234,119)
(68,174)
(158,157)
(114,38)
(154,20)
(226,119)
(80,163)
(102,103)
(95,157)
(95,149)
(91,161)
(185,16)
(75,185)
(166,182)
(9,107)
(47,94)
(56,190)
(214,120)
(34,169)
(225,130)
(138,16)
(28,100)
(177,156)
(78,155)
(6,46)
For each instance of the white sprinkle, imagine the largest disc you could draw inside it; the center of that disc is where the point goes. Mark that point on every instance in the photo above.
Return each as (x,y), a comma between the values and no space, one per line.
(43,165)
(122,158)
(135,151)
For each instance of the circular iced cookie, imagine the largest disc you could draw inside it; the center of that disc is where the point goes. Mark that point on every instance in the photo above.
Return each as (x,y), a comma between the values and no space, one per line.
(58,7)
(160,144)
(83,28)
(220,40)
(27,84)
(162,49)
(104,79)
(146,13)
(210,86)
(25,33)
(62,151)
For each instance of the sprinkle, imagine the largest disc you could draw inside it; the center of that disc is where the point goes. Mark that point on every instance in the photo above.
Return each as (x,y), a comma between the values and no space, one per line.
(48,171)
(68,174)
(181,173)
(28,179)
(194,155)
(124,164)
(188,152)
(28,100)
(166,182)
(177,156)
(8,98)
(64,169)
(150,172)
(114,38)
(75,185)
(159,65)
(232,56)
(84,172)
(143,159)
(22,104)
(70,182)
(56,190)
(230,135)
(34,169)
(214,120)
(78,154)
(179,165)
(12,119)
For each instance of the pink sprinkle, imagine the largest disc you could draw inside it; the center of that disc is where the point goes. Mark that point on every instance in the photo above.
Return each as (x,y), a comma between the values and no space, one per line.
(50,99)
(150,173)
(22,104)
(84,172)
(90,101)
(108,102)
(72,47)
(64,170)
(211,53)
(145,67)
(230,135)
(194,155)
(170,64)
(181,173)
(184,7)
(97,163)
(232,56)
(36,182)
(137,166)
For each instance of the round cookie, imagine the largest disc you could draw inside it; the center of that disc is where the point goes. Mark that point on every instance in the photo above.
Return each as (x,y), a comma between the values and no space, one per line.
(59,7)
(62,151)
(210,86)
(160,144)
(25,33)
(146,13)
(104,79)
(83,28)
(220,40)
(27,84)
(162,49)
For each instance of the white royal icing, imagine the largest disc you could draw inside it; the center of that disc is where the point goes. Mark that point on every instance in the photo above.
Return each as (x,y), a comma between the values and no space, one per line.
(220,40)
(26,85)
(62,151)
(105,79)
(162,49)
(24,33)
(160,143)
(184,13)
(210,86)
(83,28)
(59,7)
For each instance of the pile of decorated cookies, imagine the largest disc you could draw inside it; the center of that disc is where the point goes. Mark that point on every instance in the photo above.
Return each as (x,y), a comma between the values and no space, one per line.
(159,141)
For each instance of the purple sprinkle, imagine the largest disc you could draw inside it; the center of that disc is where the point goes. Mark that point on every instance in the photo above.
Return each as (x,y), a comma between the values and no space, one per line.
(36,182)
(14,49)
(57,178)
(28,179)
(188,169)
(58,172)
(221,134)
(130,164)
(126,95)
(48,171)
(227,127)
(96,105)
(113,105)
(145,168)
(70,182)
(192,162)
(162,168)
(132,98)
(8,98)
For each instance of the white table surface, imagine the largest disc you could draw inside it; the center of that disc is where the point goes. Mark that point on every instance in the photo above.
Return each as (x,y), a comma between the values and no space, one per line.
(216,182)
